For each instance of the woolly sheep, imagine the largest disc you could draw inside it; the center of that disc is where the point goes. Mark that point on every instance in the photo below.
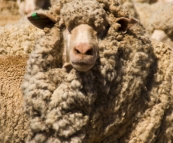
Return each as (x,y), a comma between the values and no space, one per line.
(128,88)
(16,42)
(8,12)
(141,10)
(162,26)
(28,6)
(161,36)
(152,1)
(19,38)
(149,15)
(165,1)
(145,10)
(140,1)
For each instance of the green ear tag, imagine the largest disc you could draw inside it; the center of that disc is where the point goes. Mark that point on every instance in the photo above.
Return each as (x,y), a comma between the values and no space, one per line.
(35,16)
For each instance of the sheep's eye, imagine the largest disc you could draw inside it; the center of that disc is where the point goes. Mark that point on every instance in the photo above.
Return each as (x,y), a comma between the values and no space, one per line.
(69,30)
(62,27)
(102,33)
(99,34)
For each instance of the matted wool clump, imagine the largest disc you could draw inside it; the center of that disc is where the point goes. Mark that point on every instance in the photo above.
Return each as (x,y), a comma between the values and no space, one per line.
(106,103)
(90,12)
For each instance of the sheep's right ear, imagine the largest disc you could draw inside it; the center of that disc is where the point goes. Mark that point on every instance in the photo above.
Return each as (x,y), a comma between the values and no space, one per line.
(126,23)
(41,19)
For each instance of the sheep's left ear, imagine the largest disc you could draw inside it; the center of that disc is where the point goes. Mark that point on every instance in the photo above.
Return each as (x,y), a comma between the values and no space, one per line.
(42,19)
(126,23)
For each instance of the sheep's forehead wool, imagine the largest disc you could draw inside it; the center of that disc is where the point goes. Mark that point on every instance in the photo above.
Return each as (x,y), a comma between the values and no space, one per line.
(83,12)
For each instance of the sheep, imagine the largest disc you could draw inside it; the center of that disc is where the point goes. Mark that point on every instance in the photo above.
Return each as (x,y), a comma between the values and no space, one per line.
(141,10)
(145,11)
(140,1)
(16,43)
(28,6)
(159,107)
(92,87)
(19,38)
(149,14)
(129,87)
(8,12)
(13,120)
(161,36)
(152,1)
(165,1)
(158,28)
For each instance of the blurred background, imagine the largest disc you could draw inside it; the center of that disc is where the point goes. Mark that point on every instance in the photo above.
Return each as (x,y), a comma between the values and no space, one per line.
(9,12)
(13,10)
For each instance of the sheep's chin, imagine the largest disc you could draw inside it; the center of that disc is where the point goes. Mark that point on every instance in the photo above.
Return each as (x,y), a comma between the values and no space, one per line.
(82,67)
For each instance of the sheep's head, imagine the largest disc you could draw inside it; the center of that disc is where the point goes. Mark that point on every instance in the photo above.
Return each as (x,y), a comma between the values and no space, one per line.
(27,6)
(81,47)
(84,25)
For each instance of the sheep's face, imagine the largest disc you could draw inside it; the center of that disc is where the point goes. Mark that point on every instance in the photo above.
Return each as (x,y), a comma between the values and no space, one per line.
(27,6)
(81,47)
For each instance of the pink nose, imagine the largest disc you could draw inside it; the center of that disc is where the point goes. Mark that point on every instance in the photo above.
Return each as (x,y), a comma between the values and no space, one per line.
(83,49)
(29,8)
(27,11)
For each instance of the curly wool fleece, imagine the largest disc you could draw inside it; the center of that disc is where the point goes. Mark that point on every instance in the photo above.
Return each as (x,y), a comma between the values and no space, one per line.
(89,107)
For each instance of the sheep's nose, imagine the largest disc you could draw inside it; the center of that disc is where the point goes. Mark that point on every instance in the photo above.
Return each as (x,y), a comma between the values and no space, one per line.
(27,11)
(29,8)
(83,49)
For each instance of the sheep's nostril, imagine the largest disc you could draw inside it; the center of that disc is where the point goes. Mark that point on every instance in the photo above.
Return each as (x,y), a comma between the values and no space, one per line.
(83,52)
(89,52)
(77,51)
(83,49)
